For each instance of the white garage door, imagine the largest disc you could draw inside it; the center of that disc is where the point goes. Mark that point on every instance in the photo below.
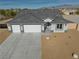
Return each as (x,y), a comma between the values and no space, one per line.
(32,28)
(16,28)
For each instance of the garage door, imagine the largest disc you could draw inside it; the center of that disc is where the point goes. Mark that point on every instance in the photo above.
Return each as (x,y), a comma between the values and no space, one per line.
(32,28)
(16,28)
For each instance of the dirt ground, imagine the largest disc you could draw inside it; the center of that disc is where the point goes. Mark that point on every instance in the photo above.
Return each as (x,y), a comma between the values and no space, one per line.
(4,33)
(60,45)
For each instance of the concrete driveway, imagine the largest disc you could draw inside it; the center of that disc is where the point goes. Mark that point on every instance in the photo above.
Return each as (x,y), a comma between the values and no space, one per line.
(21,46)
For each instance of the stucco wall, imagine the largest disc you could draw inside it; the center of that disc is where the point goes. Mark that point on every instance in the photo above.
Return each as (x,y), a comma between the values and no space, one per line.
(66,13)
(78,27)
(42,27)
(9,27)
(53,27)
(71,26)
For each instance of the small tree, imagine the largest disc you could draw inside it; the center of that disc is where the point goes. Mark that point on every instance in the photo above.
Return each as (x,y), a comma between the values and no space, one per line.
(13,13)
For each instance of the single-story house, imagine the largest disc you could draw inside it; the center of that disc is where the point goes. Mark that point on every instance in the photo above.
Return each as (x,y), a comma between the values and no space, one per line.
(38,20)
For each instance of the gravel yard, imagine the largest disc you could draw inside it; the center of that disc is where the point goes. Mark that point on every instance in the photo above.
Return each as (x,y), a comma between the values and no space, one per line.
(60,45)
(4,33)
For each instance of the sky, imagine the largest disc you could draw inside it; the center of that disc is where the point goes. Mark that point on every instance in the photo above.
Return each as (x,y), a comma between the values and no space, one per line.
(4,4)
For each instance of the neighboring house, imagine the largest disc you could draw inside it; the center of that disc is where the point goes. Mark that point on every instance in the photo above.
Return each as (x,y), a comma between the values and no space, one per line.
(69,11)
(73,18)
(3,24)
(39,20)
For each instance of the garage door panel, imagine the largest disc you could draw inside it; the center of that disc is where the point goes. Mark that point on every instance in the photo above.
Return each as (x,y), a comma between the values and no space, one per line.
(32,28)
(16,28)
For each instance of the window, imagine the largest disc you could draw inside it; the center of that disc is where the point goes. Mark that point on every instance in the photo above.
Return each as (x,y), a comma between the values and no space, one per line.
(59,26)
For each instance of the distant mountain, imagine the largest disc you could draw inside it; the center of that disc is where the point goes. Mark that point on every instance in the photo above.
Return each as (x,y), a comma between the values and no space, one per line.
(67,6)
(62,6)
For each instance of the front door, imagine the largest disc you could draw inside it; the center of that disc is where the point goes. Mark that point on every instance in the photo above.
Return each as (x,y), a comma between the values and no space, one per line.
(47,27)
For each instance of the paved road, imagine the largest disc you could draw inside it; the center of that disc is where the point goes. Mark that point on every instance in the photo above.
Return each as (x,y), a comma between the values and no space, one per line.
(21,46)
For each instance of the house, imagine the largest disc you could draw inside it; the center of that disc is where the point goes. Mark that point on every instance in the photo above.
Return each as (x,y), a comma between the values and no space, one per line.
(69,11)
(39,20)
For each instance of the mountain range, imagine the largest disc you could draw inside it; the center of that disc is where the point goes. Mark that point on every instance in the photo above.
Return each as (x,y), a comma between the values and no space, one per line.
(66,6)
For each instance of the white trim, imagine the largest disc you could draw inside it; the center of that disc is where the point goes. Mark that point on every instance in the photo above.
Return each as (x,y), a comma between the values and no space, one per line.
(9,27)
(16,28)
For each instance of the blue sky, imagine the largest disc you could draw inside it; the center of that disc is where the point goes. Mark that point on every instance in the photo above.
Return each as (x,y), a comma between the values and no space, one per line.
(34,3)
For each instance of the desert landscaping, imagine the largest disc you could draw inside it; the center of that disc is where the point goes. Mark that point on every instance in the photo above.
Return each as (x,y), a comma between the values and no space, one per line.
(4,33)
(60,45)
(57,46)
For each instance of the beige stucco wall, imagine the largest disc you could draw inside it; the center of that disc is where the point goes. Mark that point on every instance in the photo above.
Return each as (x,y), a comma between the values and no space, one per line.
(66,13)
(9,27)
(78,27)
(71,26)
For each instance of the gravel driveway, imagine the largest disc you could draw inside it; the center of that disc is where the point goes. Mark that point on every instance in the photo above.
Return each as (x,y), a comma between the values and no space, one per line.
(21,46)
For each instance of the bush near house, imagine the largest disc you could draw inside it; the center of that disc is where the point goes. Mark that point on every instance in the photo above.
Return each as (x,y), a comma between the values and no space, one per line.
(77,12)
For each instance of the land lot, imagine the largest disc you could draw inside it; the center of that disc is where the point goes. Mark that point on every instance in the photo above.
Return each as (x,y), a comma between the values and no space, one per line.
(60,45)
(4,33)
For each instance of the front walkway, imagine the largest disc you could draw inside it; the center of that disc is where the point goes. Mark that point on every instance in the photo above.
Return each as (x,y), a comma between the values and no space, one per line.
(21,46)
